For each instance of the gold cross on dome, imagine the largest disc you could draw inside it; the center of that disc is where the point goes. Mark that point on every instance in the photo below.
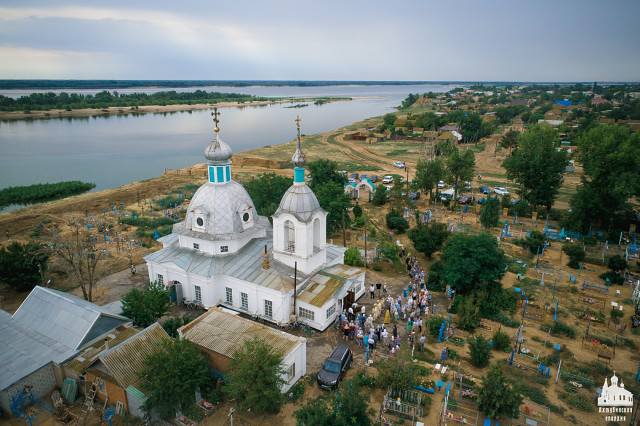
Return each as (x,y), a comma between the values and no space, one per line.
(215,114)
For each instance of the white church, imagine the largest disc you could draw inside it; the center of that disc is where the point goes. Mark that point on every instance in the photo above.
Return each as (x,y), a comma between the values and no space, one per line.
(614,395)
(225,254)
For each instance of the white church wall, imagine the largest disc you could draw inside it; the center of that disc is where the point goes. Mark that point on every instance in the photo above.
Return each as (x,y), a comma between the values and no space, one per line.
(256,297)
(320,320)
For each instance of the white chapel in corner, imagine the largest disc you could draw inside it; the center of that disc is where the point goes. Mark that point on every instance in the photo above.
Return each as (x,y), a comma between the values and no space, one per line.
(225,254)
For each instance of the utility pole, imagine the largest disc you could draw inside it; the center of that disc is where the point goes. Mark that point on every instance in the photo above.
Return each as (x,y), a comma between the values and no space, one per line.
(365,244)
(295,285)
(344,231)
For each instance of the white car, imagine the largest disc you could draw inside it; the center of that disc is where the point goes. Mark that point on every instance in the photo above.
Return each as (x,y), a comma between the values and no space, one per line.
(500,190)
(387,180)
(399,164)
(440,184)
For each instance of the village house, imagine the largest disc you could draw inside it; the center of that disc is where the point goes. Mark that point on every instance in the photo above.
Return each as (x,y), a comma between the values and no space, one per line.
(48,329)
(220,333)
(116,371)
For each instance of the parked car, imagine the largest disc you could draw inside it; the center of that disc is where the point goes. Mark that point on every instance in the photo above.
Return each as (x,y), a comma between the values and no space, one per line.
(440,184)
(334,367)
(464,199)
(363,177)
(374,178)
(500,190)
(447,195)
(485,189)
(387,180)
(399,164)
(353,176)
(414,195)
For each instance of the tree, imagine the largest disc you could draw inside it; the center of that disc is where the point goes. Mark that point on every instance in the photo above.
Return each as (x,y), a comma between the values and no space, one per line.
(380,196)
(328,185)
(509,140)
(490,213)
(480,351)
(468,314)
(576,254)
(357,211)
(314,413)
(353,257)
(172,375)
(146,306)
(172,325)
(332,198)
(472,262)
(255,377)
(501,341)
(497,397)
(610,156)
(396,222)
(537,166)
(266,191)
(535,242)
(324,171)
(78,251)
(460,166)
(428,174)
(389,122)
(22,266)
(348,408)
(429,238)
(396,374)
(617,263)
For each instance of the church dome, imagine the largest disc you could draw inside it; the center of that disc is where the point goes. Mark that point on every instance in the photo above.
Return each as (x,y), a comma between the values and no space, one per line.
(300,201)
(221,210)
(218,151)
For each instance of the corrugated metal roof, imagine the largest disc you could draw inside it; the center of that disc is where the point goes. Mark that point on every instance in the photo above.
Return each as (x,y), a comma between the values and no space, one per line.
(125,360)
(65,318)
(23,351)
(226,333)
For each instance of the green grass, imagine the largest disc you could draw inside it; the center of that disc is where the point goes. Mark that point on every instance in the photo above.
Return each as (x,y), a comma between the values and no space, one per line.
(397,152)
(352,167)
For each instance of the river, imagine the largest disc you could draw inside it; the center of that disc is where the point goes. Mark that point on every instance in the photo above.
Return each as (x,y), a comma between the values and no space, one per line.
(113,150)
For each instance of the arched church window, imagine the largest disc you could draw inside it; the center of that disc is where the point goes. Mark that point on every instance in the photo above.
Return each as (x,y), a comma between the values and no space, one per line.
(289,236)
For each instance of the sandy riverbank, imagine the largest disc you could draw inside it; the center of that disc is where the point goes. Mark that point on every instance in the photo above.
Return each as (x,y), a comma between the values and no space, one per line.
(145,109)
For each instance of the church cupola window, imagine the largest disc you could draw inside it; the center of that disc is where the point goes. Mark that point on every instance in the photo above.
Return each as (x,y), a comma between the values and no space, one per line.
(289,236)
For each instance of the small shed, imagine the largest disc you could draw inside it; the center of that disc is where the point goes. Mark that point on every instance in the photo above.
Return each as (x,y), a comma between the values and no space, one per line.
(219,334)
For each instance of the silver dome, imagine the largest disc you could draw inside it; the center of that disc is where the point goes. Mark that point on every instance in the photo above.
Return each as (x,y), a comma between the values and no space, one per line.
(223,207)
(218,150)
(300,201)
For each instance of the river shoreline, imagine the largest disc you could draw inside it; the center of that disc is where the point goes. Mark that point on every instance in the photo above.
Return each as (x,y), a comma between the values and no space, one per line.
(147,109)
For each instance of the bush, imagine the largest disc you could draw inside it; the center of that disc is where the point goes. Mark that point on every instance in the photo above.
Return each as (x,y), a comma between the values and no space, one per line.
(468,314)
(611,277)
(501,341)
(535,242)
(560,328)
(21,265)
(480,351)
(617,263)
(576,254)
(172,325)
(433,325)
(146,306)
(380,196)
(396,222)
(353,257)
(490,213)
(357,211)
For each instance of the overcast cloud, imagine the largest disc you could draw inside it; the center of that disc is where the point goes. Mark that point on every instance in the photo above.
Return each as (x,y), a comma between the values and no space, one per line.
(509,40)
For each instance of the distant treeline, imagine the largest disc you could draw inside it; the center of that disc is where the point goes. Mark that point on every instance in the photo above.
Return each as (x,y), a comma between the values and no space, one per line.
(42,192)
(122,84)
(104,99)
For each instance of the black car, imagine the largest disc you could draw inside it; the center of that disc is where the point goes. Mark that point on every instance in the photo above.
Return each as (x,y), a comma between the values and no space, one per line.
(415,195)
(334,367)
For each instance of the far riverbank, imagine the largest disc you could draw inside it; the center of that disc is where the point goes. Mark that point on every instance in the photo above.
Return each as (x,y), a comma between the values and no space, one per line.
(145,109)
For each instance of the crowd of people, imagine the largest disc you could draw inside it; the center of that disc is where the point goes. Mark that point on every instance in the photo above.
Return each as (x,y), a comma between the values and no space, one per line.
(414,305)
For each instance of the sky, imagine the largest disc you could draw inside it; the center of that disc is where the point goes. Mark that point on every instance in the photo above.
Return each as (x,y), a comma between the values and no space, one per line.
(453,40)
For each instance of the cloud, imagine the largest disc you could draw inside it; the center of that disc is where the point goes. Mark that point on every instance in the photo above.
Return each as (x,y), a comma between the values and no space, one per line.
(21,62)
